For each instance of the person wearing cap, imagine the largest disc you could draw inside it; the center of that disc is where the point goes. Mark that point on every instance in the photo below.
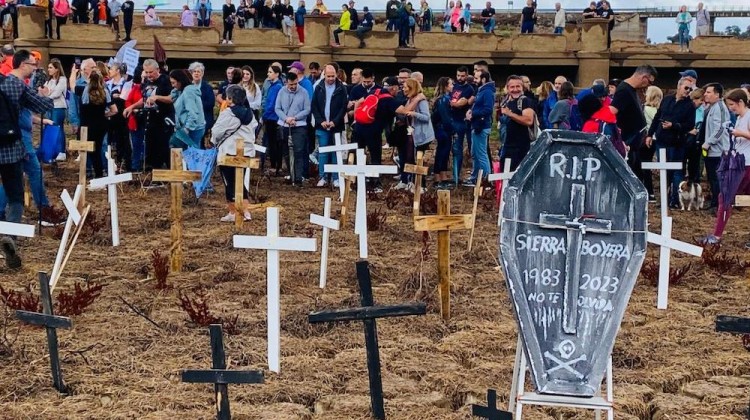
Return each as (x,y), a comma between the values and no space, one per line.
(7,65)
(365,26)
(298,68)
(691,77)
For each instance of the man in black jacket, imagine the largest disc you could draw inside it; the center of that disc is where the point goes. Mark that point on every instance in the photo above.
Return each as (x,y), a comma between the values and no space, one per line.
(329,105)
(671,125)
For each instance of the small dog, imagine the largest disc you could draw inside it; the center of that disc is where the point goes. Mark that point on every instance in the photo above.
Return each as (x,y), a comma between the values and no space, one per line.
(691,195)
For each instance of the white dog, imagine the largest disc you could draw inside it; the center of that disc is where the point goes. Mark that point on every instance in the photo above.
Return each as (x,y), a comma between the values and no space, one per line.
(691,195)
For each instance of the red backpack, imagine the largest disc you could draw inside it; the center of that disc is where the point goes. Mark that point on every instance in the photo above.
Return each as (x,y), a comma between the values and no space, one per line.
(365,113)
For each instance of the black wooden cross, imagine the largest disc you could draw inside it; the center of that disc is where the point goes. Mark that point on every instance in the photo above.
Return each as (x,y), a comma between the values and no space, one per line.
(735,325)
(368,313)
(219,375)
(490,412)
(50,322)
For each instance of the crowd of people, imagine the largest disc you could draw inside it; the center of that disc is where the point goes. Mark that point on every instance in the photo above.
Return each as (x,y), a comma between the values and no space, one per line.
(296,109)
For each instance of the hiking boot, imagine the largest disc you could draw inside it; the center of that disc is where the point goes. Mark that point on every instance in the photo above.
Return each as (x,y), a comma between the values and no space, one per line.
(12,260)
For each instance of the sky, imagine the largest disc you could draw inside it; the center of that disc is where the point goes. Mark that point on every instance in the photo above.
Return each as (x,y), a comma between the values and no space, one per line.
(658,29)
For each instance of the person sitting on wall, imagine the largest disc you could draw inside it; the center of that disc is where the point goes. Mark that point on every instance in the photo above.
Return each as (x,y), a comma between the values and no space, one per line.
(150,18)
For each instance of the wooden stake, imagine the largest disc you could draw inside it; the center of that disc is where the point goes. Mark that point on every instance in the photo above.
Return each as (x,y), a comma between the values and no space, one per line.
(176,176)
(418,170)
(240,162)
(79,228)
(82,147)
(347,191)
(477,192)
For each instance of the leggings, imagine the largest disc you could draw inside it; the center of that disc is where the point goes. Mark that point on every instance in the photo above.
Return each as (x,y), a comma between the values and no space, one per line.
(60,22)
(227,174)
(227,31)
(443,151)
(301,34)
(274,146)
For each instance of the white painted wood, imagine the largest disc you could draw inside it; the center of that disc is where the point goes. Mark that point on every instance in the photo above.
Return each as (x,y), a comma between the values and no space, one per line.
(111,181)
(73,214)
(339,149)
(259,148)
(361,170)
(273,243)
(663,166)
(503,176)
(327,223)
(17,229)
(666,244)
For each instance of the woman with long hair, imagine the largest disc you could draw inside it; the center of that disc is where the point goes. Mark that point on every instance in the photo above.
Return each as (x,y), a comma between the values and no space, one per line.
(683,28)
(96,107)
(254,94)
(543,92)
(417,111)
(58,88)
(654,95)
(442,122)
(456,16)
(559,117)
(229,14)
(190,124)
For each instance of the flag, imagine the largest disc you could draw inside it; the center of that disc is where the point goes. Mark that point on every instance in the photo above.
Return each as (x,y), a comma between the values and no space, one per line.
(160,55)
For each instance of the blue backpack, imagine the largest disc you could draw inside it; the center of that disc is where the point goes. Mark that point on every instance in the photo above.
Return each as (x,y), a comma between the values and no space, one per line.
(575,120)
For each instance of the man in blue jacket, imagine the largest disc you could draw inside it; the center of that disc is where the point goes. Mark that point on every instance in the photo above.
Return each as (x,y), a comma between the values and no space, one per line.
(480,116)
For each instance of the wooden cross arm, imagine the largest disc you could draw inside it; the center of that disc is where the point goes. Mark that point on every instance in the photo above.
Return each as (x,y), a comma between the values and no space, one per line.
(17,229)
(415,169)
(324,221)
(112,179)
(222,376)
(369,312)
(742,200)
(81,146)
(670,166)
(239,162)
(168,175)
(338,148)
(275,243)
(732,324)
(51,321)
(437,223)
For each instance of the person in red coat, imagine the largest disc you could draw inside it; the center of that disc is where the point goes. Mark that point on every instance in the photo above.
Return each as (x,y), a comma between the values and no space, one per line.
(598,118)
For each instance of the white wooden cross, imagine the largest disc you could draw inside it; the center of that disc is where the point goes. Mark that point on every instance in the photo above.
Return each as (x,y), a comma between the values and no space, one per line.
(362,170)
(663,166)
(74,218)
(503,176)
(274,243)
(339,149)
(111,181)
(258,149)
(666,244)
(327,223)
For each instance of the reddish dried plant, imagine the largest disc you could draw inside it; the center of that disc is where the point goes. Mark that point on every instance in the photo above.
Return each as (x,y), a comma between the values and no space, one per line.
(76,302)
(650,271)
(196,307)
(716,258)
(25,301)
(53,214)
(428,202)
(375,219)
(160,264)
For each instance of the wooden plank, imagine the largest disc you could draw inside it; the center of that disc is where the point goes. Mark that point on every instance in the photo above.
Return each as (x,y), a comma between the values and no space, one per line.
(442,223)
(415,169)
(111,179)
(219,364)
(742,201)
(239,162)
(79,228)
(368,312)
(54,355)
(347,192)
(175,210)
(477,193)
(50,321)
(239,187)
(444,256)
(220,376)
(175,176)
(732,324)
(274,243)
(17,229)
(83,147)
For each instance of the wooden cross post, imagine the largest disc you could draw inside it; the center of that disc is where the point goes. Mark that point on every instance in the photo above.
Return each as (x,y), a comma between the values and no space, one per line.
(419,171)
(347,191)
(327,223)
(240,162)
(219,375)
(663,166)
(490,412)
(477,193)
(51,322)
(362,171)
(735,325)
(82,147)
(666,245)
(500,178)
(339,149)
(111,181)
(176,176)
(368,313)
(443,223)
(274,243)
(74,218)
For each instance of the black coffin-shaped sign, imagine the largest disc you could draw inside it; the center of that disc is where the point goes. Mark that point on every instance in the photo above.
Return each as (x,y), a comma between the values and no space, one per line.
(573,238)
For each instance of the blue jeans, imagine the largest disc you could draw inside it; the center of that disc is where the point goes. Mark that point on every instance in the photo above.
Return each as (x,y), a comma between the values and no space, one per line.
(57,115)
(403,35)
(479,139)
(527,27)
(325,138)
(558,30)
(33,170)
(489,25)
(392,25)
(459,127)
(138,142)
(683,32)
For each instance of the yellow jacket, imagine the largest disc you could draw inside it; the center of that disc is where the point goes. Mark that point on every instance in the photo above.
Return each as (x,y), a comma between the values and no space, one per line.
(346,21)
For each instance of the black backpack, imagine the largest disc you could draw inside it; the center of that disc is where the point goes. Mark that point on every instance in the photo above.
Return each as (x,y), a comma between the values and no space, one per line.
(9,129)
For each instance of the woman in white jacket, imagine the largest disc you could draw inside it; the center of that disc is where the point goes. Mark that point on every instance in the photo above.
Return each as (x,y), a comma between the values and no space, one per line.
(235,122)
(58,89)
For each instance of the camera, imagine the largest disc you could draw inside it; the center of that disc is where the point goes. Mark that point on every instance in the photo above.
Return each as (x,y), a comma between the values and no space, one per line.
(39,78)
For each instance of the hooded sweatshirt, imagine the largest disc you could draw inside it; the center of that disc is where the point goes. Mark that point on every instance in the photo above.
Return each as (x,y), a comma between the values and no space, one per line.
(293,104)
(481,111)
(235,122)
(716,134)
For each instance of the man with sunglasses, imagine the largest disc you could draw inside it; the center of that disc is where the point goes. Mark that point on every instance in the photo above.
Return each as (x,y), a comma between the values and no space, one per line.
(17,95)
(627,107)
(671,125)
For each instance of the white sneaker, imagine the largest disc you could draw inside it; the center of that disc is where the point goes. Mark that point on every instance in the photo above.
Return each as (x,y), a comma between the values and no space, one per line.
(223,41)
(335,183)
(400,186)
(313,158)
(230,42)
(247,216)
(322,183)
(78,158)
(228,218)
(410,187)
(61,157)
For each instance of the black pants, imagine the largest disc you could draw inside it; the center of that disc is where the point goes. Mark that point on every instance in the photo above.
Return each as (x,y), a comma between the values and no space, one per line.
(119,139)
(81,16)
(227,31)
(157,143)
(274,147)
(227,173)
(646,154)
(712,164)
(693,162)
(116,26)
(11,175)
(60,22)
(96,134)
(336,33)
(373,142)
(128,22)
(48,28)
(12,11)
